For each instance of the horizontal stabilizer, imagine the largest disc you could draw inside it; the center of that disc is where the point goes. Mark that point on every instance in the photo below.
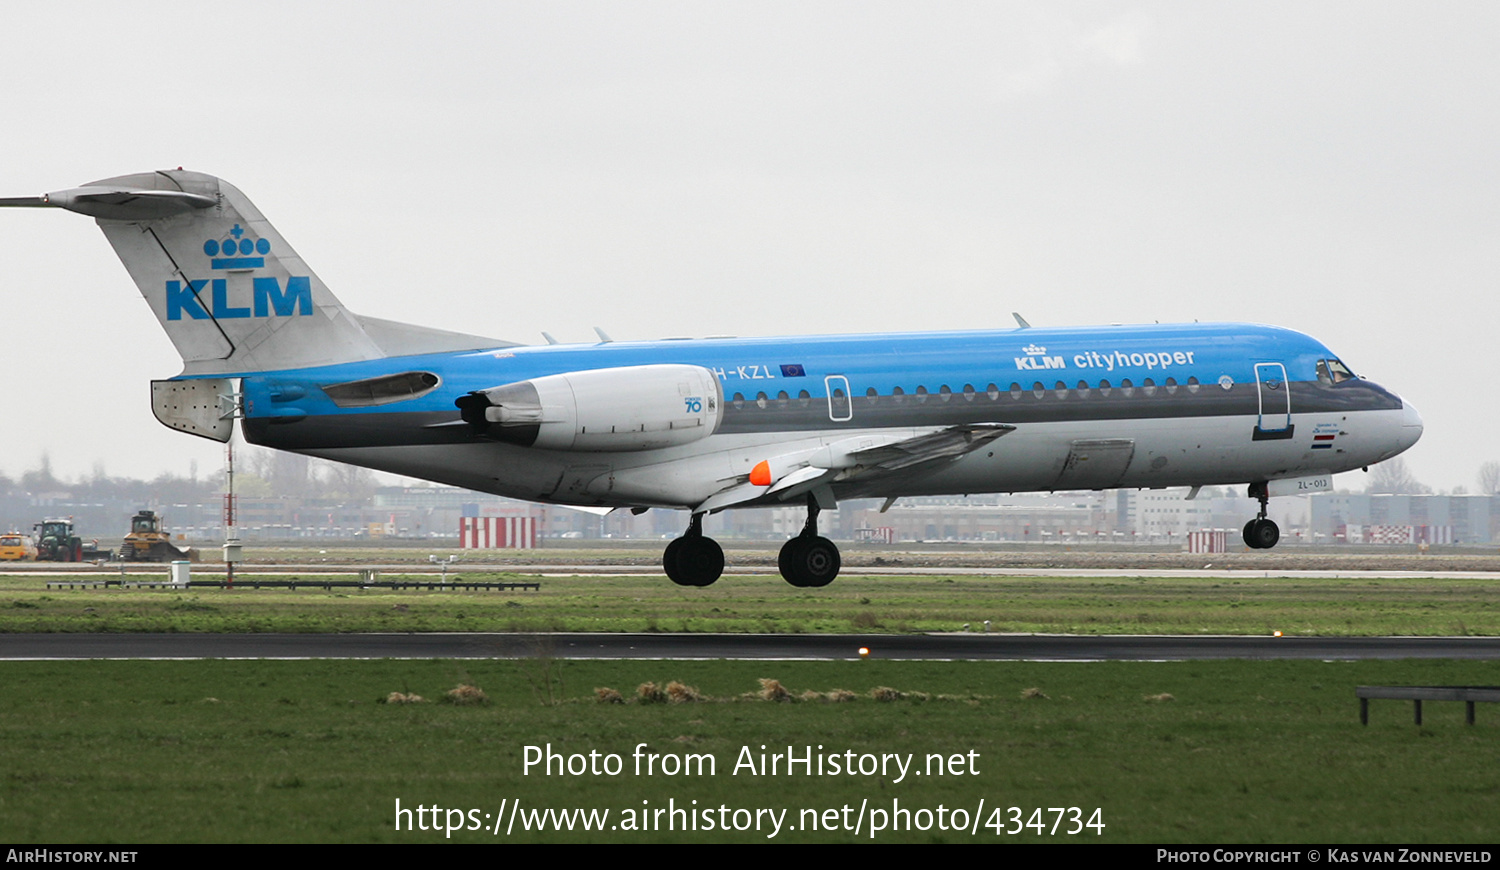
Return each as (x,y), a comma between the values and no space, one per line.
(117,203)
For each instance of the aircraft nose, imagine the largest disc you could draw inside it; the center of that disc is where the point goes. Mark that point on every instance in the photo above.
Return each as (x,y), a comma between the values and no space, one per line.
(1411,425)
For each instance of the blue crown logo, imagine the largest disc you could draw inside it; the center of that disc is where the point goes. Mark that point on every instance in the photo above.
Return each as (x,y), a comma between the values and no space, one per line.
(237,252)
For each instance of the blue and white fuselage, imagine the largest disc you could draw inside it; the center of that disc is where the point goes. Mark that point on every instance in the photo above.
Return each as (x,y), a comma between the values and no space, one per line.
(706,425)
(1183,405)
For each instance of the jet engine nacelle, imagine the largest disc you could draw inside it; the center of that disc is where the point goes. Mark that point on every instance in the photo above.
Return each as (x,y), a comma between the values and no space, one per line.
(630,408)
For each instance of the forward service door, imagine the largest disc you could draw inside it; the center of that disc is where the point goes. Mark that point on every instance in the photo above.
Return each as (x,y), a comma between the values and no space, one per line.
(1274,395)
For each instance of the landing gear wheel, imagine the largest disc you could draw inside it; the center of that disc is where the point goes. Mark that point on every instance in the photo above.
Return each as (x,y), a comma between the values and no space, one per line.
(693,560)
(700,561)
(1268,533)
(1262,534)
(669,562)
(809,562)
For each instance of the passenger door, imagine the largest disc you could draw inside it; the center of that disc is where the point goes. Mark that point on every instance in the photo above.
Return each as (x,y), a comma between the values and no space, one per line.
(1274,414)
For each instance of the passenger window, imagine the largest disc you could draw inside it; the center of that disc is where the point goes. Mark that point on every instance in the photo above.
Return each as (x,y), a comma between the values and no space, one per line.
(804,398)
(968,392)
(1083,389)
(1192,385)
(783,400)
(1038,390)
(1060,389)
(739,401)
(760,400)
(1148,387)
(945,392)
(1015,392)
(921,394)
(898,395)
(872,395)
(1171,385)
(1104,388)
(1127,387)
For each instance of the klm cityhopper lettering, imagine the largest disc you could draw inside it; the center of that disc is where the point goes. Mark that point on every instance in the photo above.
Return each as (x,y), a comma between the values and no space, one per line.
(268,297)
(1037,359)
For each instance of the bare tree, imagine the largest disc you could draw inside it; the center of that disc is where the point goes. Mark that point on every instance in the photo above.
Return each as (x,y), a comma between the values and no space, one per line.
(1394,477)
(1489,478)
(290,474)
(41,479)
(348,481)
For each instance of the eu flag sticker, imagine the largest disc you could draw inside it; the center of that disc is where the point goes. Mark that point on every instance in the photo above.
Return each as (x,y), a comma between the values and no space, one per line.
(793,371)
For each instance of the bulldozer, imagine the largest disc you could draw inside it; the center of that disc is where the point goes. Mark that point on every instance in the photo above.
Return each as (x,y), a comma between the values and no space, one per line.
(148,543)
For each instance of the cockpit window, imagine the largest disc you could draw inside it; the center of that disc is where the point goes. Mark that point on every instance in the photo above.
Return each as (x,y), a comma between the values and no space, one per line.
(1331,371)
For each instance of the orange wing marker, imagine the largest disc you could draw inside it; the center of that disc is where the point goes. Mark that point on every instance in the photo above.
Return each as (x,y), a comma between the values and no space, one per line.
(760,475)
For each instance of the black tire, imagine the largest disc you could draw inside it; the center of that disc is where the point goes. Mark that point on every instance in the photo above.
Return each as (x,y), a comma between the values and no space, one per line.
(809,562)
(700,561)
(1267,533)
(789,559)
(1249,535)
(669,562)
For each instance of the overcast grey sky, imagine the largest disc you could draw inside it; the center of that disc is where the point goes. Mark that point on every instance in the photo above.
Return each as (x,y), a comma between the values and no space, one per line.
(669,169)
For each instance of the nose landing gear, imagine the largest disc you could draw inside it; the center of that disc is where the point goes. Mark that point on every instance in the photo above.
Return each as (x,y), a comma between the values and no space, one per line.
(1261,533)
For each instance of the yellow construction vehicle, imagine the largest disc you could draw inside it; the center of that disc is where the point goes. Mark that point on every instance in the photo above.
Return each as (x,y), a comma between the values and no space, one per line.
(148,543)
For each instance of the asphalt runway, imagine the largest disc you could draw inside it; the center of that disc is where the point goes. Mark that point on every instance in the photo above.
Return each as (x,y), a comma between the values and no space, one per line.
(944,647)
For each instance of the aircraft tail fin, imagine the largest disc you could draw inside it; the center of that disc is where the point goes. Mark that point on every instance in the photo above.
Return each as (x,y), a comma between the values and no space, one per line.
(230,292)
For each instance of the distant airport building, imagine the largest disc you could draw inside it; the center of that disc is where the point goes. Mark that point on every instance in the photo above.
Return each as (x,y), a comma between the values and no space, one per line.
(1362,518)
(1000,518)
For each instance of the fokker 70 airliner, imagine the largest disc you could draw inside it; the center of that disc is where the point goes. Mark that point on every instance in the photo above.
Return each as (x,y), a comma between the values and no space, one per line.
(706,425)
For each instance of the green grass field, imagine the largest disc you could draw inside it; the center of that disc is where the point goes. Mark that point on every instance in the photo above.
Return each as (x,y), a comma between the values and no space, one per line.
(1186,752)
(764,603)
(244,751)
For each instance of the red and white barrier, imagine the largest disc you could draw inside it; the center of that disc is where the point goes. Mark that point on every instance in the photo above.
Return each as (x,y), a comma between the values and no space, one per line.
(1208,542)
(498,533)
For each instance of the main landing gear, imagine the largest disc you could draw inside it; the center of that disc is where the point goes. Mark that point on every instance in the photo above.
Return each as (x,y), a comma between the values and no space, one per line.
(1261,533)
(693,560)
(810,560)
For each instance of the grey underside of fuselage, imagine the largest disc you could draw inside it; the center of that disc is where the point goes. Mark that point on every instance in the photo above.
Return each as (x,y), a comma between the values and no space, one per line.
(1133,441)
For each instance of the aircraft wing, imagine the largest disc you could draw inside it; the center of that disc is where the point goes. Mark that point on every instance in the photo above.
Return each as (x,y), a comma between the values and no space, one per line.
(867,457)
(948,443)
